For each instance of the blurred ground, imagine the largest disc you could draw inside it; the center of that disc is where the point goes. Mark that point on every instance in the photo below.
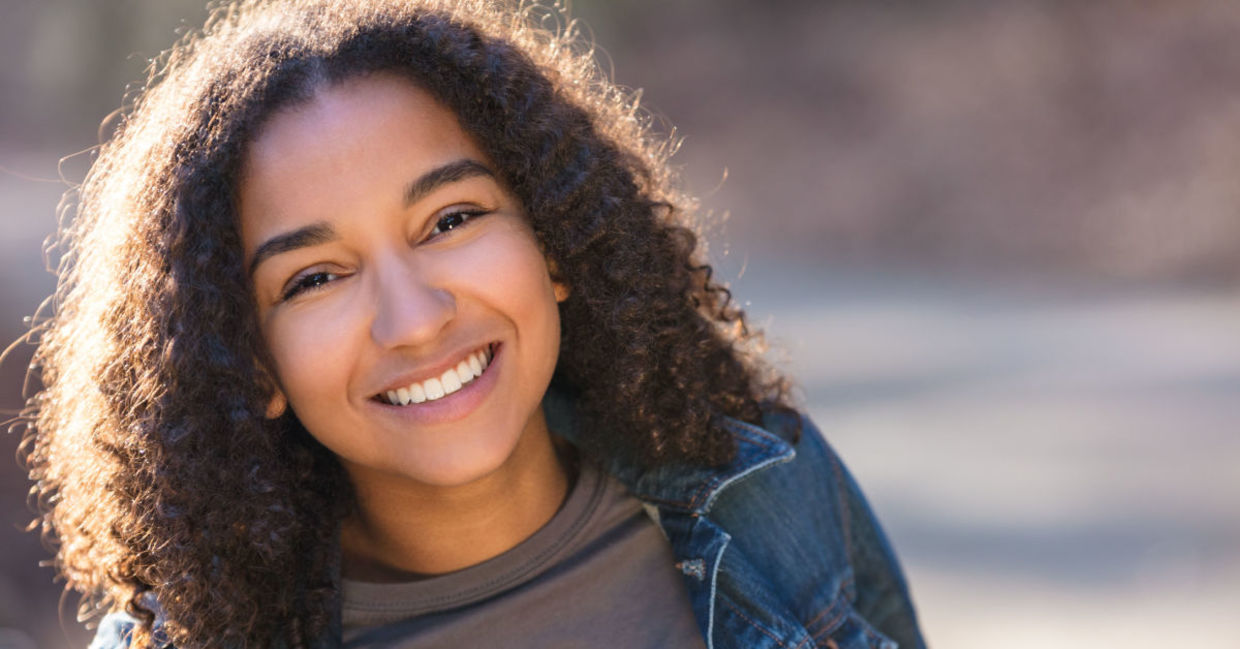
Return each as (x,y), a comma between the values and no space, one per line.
(1056,465)
(997,243)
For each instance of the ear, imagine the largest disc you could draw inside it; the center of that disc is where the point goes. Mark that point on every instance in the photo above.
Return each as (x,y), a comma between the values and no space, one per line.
(277,405)
(562,291)
(558,285)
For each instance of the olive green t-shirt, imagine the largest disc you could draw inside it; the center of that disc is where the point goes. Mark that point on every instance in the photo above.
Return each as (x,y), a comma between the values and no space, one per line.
(598,574)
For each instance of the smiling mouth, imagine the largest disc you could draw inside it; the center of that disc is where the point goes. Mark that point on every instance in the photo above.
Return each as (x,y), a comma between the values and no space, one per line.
(453,379)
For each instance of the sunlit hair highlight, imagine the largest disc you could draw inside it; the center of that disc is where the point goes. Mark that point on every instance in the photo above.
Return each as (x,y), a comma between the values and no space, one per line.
(161,479)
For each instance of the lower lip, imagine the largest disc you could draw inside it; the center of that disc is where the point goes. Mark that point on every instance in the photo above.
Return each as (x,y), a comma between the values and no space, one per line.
(453,407)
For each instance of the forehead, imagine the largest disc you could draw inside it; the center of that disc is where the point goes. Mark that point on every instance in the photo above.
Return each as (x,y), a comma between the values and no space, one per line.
(352,146)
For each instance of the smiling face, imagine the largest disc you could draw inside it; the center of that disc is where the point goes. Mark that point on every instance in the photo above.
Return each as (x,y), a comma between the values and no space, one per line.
(400,290)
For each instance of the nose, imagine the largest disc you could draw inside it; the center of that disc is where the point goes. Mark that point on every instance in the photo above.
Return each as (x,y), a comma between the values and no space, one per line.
(411,308)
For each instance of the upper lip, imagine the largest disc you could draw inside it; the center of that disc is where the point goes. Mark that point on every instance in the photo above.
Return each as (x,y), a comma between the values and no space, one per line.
(431,369)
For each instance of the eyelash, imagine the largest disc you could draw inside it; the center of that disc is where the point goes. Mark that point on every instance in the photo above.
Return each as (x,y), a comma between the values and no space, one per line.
(318,279)
(465,217)
(305,283)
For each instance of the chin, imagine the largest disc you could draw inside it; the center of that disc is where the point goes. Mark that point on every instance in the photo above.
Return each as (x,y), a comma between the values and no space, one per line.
(457,467)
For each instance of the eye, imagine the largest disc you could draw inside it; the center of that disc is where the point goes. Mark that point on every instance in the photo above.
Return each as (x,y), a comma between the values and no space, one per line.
(307,282)
(453,220)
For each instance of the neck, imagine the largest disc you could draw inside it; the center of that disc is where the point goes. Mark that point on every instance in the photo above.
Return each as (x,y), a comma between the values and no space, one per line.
(401,530)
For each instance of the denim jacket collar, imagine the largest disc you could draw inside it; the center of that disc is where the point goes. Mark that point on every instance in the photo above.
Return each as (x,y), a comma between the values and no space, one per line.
(684,488)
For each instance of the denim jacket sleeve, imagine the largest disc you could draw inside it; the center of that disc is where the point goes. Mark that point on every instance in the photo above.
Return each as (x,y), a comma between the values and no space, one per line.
(882,593)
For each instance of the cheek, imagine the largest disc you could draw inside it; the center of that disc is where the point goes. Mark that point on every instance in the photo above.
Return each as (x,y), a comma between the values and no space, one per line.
(508,261)
(311,352)
(508,268)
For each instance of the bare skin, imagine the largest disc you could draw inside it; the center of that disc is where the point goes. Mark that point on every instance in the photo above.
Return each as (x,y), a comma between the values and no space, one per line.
(384,251)
(403,531)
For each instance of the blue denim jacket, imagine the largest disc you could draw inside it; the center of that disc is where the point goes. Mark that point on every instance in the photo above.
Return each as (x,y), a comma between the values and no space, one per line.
(778,549)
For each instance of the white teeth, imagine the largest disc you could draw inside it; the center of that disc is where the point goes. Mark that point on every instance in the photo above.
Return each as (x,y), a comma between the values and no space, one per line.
(463,371)
(434,389)
(450,381)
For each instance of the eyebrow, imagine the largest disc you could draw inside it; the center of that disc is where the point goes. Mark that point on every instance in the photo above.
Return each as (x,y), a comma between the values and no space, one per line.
(310,235)
(322,232)
(442,175)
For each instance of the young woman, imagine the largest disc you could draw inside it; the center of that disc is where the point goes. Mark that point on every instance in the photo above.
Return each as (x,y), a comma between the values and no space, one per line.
(382,324)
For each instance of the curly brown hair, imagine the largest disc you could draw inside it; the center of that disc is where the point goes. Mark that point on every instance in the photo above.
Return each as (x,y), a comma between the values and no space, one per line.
(160,477)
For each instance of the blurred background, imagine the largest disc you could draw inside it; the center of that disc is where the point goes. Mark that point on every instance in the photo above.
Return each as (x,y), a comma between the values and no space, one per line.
(997,243)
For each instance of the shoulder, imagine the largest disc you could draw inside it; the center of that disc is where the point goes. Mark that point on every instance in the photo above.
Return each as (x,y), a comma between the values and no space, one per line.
(800,500)
(808,471)
(806,524)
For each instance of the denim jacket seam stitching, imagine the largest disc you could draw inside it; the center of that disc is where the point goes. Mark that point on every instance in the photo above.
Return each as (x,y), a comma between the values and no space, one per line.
(807,641)
(835,610)
(717,484)
(832,625)
(838,609)
(849,587)
(741,477)
(873,635)
(702,494)
(838,599)
(755,625)
(714,594)
(706,491)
